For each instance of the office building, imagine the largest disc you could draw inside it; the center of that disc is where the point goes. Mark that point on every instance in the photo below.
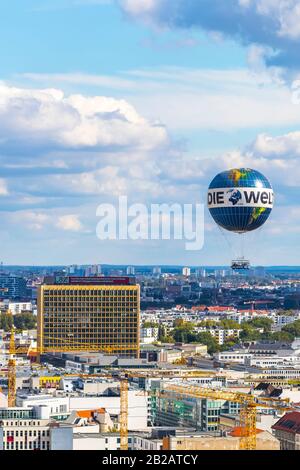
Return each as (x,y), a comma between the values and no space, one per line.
(89,314)
(201,414)
(130,271)
(13,287)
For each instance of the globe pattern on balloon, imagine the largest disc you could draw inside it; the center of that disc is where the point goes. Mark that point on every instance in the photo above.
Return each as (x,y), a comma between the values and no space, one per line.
(240,200)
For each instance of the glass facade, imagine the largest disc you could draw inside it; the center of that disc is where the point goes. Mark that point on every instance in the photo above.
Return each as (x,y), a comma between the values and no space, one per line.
(89,318)
(201,414)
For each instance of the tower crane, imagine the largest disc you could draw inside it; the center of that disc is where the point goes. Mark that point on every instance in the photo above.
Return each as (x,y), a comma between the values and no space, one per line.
(248,403)
(13,351)
(11,397)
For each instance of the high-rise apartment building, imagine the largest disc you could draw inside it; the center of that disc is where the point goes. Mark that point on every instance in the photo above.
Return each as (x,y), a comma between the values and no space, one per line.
(89,314)
(130,271)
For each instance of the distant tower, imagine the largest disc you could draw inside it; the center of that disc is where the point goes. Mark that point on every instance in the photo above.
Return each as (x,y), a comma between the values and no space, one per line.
(200,273)
(186,272)
(130,271)
(99,270)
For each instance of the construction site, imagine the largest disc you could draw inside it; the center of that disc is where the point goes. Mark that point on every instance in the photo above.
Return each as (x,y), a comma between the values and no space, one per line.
(181,407)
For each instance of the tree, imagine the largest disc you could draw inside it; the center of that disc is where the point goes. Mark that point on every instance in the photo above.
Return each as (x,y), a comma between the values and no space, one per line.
(282,336)
(167,339)
(293,329)
(150,324)
(264,323)
(162,333)
(206,338)
(25,321)
(208,323)
(184,335)
(6,321)
(228,344)
(180,323)
(229,324)
(249,333)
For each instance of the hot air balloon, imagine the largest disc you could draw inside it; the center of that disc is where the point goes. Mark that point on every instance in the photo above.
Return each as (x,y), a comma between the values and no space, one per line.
(240,200)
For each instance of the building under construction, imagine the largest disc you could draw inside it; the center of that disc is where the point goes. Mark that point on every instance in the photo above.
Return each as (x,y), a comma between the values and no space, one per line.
(89,314)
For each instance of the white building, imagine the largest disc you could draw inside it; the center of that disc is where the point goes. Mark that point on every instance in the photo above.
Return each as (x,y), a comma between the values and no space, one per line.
(269,361)
(232,356)
(137,407)
(63,438)
(18,307)
(149,335)
(45,406)
(23,434)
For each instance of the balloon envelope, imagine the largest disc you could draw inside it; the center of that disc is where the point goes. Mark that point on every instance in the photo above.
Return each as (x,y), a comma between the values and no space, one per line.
(240,200)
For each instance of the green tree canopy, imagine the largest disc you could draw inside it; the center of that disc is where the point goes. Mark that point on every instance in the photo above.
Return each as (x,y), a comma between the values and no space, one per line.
(207,339)
(249,333)
(6,321)
(150,324)
(293,329)
(282,336)
(228,324)
(264,323)
(25,321)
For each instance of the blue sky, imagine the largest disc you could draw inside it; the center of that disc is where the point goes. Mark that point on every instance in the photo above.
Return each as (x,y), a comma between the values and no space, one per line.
(149,99)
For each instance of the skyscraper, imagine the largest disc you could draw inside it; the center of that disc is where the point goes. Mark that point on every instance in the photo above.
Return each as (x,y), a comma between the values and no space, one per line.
(130,270)
(89,314)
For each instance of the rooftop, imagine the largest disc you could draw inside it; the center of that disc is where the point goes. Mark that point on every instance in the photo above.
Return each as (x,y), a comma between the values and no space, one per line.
(89,413)
(93,281)
(290,422)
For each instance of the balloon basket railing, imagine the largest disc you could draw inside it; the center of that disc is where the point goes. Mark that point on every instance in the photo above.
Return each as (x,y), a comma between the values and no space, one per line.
(240,264)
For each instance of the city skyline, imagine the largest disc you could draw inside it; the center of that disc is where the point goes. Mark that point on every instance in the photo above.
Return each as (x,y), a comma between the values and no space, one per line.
(100,99)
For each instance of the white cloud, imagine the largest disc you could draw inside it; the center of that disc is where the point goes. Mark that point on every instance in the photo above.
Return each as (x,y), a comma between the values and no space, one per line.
(140,7)
(286,12)
(3,187)
(70,223)
(274,24)
(185,99)
(30,219)
(45,220)
(46,118)
(285,146)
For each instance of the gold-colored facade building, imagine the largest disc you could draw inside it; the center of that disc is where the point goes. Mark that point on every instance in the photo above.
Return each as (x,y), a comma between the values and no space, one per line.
(84,314)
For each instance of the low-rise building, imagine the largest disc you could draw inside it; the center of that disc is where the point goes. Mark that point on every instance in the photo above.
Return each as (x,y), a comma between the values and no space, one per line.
(24,434)
(287,431)
(149,335)
(265,441)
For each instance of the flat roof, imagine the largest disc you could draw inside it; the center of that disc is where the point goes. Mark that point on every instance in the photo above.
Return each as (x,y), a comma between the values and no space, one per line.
(93,281)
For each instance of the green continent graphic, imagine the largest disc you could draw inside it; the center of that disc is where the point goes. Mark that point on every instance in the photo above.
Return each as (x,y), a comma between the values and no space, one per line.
(257,211)
(236,175)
